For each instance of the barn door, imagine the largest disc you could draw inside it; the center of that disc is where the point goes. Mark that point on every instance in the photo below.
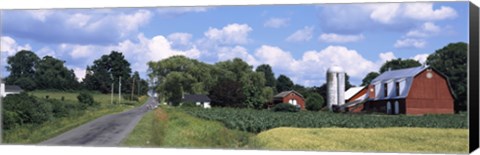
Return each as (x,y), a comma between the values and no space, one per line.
(397,107)
(389,108)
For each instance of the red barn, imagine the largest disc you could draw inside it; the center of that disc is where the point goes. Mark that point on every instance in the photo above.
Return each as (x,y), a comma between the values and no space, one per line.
(291,97)
(417,90)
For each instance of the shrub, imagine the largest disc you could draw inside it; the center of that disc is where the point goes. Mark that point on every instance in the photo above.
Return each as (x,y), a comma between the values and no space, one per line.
(62,108)
(189,104)
(86,99)
(285,107)
(25,109)
(314,102)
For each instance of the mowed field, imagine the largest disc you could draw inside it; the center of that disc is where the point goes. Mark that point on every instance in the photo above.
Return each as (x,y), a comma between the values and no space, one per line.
(35,133)
(174,127)
(413,140)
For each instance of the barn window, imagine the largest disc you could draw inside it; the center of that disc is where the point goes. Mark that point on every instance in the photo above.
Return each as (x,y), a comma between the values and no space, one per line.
(397,88)
(385,90)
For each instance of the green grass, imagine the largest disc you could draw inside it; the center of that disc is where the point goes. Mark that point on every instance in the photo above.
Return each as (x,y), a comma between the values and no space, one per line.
(171,127)
(425,140)
(31,134)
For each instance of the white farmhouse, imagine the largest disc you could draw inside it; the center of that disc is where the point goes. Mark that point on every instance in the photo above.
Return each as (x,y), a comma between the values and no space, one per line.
(9,89)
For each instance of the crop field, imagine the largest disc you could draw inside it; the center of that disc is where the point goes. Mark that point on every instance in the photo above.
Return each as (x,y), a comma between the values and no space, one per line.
(256,121)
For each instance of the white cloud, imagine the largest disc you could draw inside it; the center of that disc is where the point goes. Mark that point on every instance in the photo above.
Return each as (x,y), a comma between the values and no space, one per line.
(131,22)
(337,38)
(79,73)
(304,34)
(427,29)
(275,57)
(230,34)
(407,43)
(276,22)
(10,46)
(425,12)
(384,13)
(81,51)
(40,15)
(46,51)
(180,38)
(227,53)
(176,11)
(387,56)
(78,20)
(422,58)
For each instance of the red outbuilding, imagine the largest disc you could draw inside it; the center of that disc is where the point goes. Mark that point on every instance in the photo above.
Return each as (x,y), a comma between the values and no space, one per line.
(291,97)
(415,91)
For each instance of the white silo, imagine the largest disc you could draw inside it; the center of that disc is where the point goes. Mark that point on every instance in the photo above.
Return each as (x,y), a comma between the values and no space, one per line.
(335,86)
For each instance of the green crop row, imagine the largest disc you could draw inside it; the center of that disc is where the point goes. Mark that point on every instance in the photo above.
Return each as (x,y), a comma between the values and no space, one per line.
(260,120)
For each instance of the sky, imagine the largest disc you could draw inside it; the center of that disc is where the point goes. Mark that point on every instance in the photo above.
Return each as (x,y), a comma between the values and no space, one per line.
(300,41)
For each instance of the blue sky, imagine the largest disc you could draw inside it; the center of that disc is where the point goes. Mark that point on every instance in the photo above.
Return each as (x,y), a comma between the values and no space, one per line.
(300,41)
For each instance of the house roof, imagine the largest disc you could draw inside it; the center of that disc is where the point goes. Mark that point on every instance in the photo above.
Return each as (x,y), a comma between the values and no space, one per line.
(196,98)
(12,88)
(352,92)
(285,93)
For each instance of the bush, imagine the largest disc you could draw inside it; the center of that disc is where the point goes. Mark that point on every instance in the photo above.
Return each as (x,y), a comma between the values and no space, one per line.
(285,107)
(62,108)
(314,102)
(24,109)
(189,104)
(86,99)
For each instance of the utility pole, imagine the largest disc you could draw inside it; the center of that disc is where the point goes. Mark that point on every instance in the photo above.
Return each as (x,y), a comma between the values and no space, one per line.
(119,89)
(111,97)
(133,88)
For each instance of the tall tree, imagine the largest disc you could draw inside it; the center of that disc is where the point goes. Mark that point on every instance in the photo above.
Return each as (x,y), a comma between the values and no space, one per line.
(269,76)
(22,69)
(107,70)
(399,64)
(50,73)
(253,84)
(227,93)
(284,83)
(370,76)
(451,60)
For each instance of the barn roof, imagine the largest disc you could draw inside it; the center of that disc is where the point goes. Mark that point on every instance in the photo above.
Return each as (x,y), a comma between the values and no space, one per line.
(285,93)
(400,73)
(196,98)
(12,88)
(352,92)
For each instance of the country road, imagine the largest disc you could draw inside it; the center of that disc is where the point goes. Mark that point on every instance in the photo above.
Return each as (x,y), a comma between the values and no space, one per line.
(108,130)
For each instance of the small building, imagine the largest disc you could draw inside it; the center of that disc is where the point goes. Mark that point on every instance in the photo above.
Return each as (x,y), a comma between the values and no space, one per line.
(291,97)
(354,97)
(416,91)
(9,89)
(199,100)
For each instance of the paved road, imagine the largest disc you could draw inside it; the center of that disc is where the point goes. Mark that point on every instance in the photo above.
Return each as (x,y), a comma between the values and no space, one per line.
(108,130)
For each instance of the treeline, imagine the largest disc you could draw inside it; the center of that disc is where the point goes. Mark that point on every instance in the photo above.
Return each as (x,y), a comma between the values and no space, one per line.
(30,72)
(234,83)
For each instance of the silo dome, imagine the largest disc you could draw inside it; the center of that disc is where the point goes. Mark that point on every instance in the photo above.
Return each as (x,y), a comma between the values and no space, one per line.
(335,69)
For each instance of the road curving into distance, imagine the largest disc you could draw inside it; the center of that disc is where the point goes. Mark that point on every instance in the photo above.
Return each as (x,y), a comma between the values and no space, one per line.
(108,130)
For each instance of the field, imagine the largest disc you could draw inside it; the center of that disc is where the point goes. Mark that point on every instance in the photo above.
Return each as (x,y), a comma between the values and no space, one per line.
(31,134)
(256,121)
(171,127)
(424,140)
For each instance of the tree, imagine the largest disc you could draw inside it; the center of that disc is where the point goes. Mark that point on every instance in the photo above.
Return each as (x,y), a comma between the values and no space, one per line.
(175,85)
(227,93)
(269,76)
(50,73)
(451,60)
(314,102)
(370,76)
(399,64)
(348,85)
(22,69)
(253,89)
(284,83)
(99,75)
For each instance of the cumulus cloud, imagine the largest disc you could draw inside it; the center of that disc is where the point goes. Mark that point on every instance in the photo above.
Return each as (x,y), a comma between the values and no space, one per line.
(387,56)
(409,43)
(276,22)
(301,35)
(422,58)
(425,30)
(230,34)
(10,46)
(338,38)
(228,53)
(182,39)
(75,26)
(425,12)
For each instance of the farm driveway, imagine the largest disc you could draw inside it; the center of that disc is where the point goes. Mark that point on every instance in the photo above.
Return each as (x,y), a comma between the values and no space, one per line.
(108,130)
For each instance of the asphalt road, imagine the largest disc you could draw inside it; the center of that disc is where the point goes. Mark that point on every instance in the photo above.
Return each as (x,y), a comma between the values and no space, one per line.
(108,130)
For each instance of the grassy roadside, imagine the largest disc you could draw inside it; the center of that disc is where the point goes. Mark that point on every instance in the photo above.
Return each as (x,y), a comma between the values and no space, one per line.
(171,127)
(424,140)
(31,134)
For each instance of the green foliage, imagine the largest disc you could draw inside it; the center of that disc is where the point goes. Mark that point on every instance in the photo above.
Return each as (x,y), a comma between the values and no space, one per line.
(284,83)
(268,73)
(314,102)
(25,83)
(50,73)
(227,93)
(267,94)
(22,65)
(451,61)
(370,76)
(86,99)
(399,64)
(99,75)
(252,89)
(189,104)
(24,109)
(285,107)
(260,120)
